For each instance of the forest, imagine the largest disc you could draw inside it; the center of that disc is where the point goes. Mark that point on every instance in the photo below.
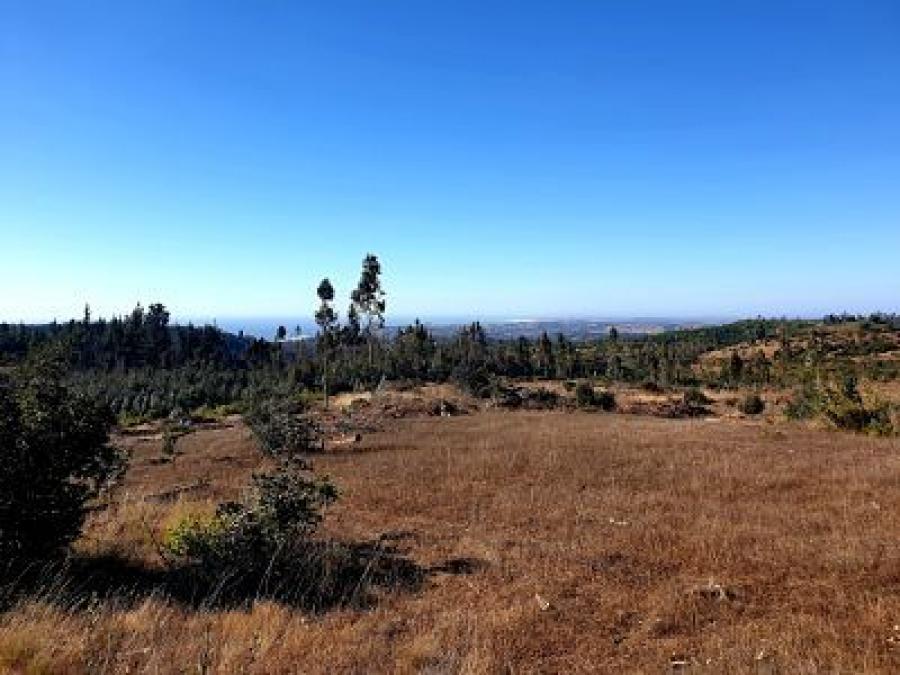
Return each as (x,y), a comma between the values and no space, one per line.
(144,367)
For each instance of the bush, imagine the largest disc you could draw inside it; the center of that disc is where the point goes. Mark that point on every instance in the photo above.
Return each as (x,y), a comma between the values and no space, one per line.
(584,395)
(539,399)
(751,404)
(257,540)
(54,457)
(843,407)
(280,429)
(695,398)
(243,541)
(587,397)
(806,403)
(605,400)
(475,381)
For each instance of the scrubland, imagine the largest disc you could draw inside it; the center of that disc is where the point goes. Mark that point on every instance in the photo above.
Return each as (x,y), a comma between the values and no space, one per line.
(509,542)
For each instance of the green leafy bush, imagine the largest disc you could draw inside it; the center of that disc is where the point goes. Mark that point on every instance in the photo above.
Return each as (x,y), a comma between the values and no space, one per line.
(259,538)
(260,534)
(475,380)
(584,395)
(281,429)
(843,407)
(54,457)
(587,397)
(806,403)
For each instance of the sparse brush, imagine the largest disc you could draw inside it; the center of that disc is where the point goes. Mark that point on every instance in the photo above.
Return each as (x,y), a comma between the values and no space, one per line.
(255,540)
(695,398)
(842,405)
(169,445)
(281,429)
(751,404)
(584,395)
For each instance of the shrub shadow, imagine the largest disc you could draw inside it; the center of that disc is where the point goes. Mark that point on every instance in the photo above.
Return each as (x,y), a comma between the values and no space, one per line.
(321,576)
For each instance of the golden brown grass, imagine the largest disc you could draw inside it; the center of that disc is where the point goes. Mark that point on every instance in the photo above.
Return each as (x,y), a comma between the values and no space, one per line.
(552,542)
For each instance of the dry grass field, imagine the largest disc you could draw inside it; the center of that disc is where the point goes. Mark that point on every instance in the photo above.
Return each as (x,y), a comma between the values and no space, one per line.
(521,542)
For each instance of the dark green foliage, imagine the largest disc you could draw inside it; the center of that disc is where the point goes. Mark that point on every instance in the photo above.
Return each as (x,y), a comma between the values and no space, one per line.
(327,320)
(144,368)
(751,404)
(54,457)
(695,398)
(281,430)
(475,380)
(154,393)
(169,445)
(368,300)
(258,536)
(259,539)
(587,397)
(142,339)
(693,404)
(584,395)
(524,397)
(605,400)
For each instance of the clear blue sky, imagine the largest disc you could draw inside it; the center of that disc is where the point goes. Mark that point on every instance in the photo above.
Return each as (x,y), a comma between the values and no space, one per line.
(592,158)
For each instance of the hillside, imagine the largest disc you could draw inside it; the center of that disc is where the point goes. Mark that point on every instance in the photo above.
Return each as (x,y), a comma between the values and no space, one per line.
(517,542)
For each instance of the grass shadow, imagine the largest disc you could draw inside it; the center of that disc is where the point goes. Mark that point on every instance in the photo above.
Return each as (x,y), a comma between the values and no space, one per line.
(320,576)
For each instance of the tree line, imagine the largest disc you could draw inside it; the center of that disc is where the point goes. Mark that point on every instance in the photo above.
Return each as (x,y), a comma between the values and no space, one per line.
(143,366)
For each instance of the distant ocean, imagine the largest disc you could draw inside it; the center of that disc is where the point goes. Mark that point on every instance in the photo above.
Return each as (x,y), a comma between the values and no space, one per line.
(257,326)
(266,327)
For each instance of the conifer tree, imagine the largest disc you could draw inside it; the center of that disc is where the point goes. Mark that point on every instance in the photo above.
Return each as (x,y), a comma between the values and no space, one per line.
(326,318)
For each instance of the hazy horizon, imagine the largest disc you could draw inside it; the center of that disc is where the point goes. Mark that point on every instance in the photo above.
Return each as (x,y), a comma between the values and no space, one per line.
(266,327)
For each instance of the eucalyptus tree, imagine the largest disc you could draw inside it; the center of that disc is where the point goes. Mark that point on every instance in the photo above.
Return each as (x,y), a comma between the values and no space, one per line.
(327,320)
(368,299)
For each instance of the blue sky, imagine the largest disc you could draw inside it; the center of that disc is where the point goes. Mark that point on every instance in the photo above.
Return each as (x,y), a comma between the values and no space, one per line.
(503,159)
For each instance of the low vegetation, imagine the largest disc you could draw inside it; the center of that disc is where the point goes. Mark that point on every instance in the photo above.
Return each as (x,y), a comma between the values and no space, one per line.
(54,458)
(751,404)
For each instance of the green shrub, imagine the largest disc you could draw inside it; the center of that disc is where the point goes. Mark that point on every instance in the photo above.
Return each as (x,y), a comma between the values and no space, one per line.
(605,400)
(843,407)
(584,395)
(258,535)
(695,398)
(806,403)
(751,404)
(169,445)
(54,457)
(475,380)
(281,429)
(258,539)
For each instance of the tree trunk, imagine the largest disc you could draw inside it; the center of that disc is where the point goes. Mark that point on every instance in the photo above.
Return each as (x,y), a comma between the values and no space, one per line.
(325,380)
